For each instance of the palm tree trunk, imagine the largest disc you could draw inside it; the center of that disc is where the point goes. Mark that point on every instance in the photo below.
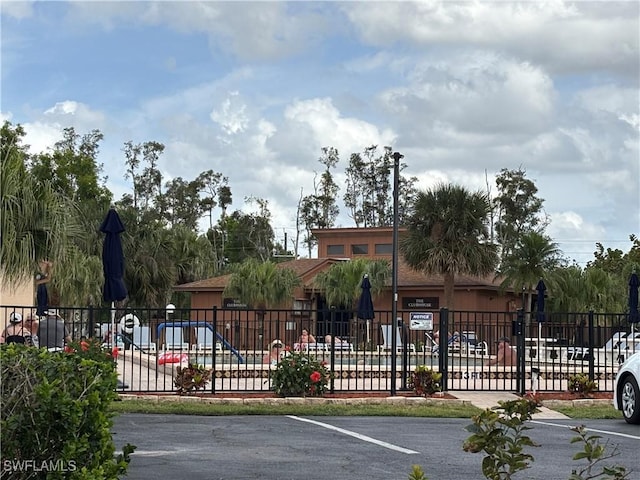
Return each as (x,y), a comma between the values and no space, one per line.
(449,286)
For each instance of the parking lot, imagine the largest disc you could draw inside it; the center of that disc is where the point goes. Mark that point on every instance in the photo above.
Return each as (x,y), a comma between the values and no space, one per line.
(376,448)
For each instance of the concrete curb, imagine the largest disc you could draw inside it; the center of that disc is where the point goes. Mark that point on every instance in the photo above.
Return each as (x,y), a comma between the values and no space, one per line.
(399,400)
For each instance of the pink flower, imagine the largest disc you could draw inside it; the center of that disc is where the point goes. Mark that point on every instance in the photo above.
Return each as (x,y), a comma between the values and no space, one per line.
(315,377)
(84,345)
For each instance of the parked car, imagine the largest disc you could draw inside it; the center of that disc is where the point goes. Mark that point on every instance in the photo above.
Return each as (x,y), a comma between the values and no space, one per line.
(626,396)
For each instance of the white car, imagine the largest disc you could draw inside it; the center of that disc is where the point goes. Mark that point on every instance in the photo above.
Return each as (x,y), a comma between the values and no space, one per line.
(626,393)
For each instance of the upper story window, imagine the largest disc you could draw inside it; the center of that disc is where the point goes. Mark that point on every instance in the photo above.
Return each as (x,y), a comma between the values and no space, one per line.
(361,249)
(335,249)
(384,248)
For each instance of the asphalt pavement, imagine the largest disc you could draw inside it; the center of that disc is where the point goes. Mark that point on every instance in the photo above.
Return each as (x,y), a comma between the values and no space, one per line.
(321,448)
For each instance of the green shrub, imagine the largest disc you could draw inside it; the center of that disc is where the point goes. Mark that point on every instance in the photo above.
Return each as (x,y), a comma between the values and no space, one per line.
(298,375)
(425,381)
(499,432)
(55,420)
(580,384)
(190,378)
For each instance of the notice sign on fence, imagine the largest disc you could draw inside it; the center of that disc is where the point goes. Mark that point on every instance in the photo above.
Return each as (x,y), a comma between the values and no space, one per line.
(421,321)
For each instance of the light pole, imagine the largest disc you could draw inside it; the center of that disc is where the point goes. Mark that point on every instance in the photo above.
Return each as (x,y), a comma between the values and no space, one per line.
(394,270)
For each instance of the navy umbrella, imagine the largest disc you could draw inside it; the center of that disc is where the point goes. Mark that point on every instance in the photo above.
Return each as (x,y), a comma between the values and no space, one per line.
(113,267)
(112,258)
(365,303)
(634,315)
(42,300)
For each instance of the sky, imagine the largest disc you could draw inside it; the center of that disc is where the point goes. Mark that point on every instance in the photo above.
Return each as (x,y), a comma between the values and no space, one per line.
(254,90)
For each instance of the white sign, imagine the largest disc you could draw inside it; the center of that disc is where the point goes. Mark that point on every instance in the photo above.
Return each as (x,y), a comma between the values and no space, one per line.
(421,321)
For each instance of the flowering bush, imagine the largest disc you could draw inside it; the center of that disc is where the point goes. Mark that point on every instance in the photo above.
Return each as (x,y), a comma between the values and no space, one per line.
(92,349)
(298,375)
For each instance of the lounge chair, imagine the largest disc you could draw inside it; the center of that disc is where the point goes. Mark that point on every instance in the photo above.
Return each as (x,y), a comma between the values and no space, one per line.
(386,335)
(174,339)
(207,339)
(142,338)
(339,346)
(614,352)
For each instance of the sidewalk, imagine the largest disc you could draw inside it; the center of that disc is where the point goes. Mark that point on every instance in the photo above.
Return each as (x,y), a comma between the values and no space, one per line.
(490,399)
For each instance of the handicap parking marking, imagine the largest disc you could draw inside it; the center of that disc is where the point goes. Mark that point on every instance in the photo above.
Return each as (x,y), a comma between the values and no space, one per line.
(589,429)
(359,436)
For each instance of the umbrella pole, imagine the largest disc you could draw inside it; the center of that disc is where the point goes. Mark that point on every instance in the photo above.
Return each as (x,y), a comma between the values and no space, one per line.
(112,330)
(368,331)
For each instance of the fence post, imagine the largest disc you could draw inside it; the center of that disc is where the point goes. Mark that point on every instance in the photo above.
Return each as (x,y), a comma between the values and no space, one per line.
(521,366)
(333,350)
(443,348)
(215,340)
(591,333)
(405,354)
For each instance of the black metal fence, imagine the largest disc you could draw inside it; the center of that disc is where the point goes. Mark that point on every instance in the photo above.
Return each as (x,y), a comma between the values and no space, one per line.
(364,354)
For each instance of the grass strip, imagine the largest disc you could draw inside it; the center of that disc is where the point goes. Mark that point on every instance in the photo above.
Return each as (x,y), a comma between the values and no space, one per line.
(217,409)
(590,412)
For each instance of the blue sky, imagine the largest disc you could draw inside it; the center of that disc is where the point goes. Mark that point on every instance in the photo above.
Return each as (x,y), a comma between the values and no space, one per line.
(255,90)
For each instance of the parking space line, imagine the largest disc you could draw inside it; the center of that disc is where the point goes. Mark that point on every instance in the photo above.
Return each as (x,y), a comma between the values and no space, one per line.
(607,432)
(359,436)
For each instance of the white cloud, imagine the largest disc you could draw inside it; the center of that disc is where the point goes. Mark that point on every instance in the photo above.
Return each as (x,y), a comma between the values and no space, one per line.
(323,124)
(231,115)
(563,36)
(19,9)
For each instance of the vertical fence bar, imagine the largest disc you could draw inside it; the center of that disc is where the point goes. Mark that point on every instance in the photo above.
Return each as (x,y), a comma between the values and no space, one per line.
(443,348)
(592,353)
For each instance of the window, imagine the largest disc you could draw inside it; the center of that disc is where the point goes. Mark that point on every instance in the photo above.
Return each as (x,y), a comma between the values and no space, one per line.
(361,249)
(384,249)
(335,249)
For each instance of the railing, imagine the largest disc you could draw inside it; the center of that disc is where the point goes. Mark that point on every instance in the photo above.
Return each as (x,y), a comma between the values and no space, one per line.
(235,342)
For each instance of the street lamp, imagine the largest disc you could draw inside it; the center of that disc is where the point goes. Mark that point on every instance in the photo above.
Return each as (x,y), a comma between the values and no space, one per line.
(394,269)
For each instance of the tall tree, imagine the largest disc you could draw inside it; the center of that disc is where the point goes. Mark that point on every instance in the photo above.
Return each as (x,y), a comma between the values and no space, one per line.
(147,184)
(369,189)
(319,210)
(518,209)
(447,234)
(533,258)
(248,234)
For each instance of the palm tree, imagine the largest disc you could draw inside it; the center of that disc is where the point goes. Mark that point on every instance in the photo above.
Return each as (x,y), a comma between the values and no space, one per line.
(261,285)
(36,222)
(447,234)
(533,257)
(341,282)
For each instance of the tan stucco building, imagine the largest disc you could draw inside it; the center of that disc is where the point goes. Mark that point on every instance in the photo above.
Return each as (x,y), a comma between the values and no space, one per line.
(416,291)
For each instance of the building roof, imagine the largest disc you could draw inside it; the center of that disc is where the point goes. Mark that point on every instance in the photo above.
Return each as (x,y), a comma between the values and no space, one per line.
(308,268)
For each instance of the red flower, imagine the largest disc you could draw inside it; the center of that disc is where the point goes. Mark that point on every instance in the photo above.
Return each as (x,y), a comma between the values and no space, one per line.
(287,348)
(114,352)
(323,363)
(84,345)
(315,377)
(68,349)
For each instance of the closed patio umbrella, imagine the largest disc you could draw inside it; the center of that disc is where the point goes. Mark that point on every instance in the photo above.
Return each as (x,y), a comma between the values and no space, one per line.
(114,288)
(365,304)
